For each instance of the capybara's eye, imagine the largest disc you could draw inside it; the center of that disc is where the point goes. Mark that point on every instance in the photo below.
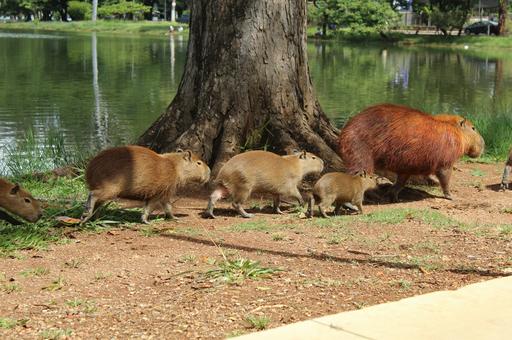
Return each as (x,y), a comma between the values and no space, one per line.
(199,163)
(473,128)
(313,157)
(27,200)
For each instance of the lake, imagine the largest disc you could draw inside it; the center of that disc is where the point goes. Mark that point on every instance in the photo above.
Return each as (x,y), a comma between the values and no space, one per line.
(98,90)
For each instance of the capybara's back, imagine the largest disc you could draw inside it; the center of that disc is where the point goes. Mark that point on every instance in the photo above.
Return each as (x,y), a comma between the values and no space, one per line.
(18,201)
(405,141)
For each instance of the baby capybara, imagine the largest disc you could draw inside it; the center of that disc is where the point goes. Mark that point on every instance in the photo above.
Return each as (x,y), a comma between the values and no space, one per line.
(407,142)
(506,171)
(264,172)
(340,188)
(19,202)
(135,172)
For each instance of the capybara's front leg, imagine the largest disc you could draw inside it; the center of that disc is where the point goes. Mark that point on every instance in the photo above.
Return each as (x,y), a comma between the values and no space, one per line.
(216,195)
(401,179)
(504,178)
(444,180)
(149,206)
(168,211)
(295,193)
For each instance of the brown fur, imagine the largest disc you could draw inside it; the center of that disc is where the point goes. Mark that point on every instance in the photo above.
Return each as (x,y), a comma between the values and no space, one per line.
(262,171)
(136,172)
(19,202)
(340,188)
(407,142)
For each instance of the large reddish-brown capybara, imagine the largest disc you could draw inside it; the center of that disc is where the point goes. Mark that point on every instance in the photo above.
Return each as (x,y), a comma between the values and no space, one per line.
(407,142)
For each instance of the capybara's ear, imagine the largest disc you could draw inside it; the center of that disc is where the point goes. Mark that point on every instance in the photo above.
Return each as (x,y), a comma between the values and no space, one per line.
(179,150)
(303,154)
(463,122)
(188,155)
(15,189)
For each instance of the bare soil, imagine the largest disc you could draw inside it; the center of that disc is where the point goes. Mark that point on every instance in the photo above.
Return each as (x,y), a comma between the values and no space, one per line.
(137,281)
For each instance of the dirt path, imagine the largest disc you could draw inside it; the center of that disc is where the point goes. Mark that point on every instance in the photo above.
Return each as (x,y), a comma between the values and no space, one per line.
(151,282)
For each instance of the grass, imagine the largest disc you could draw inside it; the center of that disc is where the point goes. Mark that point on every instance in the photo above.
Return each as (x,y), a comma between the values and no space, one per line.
(55,333)
(236,271)
(55,285)
(8,323)
(402,284)
(257,225)
(9,288)
(399,215)
(110,26)
(38,272)
(87,306)
(257,322)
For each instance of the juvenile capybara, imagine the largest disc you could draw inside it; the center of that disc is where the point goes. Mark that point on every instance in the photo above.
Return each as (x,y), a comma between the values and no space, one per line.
(506,171)
(407,142)
(264,172)
(340,188)
(135,172)
(19,202)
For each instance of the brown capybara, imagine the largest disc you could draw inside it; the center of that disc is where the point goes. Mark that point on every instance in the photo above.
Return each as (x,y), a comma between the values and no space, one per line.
(340,188)
(407,142)
(506,171)
(19,202)
(264,172)
(135,172)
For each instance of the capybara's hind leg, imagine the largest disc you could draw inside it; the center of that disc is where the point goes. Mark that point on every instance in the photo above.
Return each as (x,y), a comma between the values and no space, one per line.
(395,189)
(337,207)
(444,180)
(217,194)
(240,195)
(311,204)
(241,211)
(295,193)
(168,211)
(504,178)
(277,202)
(89,208)
(149,206)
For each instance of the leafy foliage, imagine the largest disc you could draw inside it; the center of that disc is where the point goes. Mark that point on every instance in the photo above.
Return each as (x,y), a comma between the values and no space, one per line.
(79,10)
(123,10)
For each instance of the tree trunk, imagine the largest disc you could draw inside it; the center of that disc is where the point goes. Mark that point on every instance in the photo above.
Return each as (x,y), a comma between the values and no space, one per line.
(94,10)
(502,17)
(246,84)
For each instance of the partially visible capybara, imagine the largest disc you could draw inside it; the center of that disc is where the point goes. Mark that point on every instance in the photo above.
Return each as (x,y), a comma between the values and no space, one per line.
(19,202)
(135,172)
(506,171)
(340,188)
(407,142)
(265,172)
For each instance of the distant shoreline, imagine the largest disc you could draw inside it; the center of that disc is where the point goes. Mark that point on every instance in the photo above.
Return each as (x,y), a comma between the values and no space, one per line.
(154,28)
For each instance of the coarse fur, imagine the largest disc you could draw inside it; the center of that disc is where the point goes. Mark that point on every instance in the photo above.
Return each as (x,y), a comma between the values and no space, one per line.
(340,188)
(19,202)
(264,172)
(135,172)
(407,142)
(506,171)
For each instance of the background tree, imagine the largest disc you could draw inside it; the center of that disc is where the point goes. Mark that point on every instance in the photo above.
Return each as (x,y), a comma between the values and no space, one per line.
(502,17)
(246,84)
(446,15)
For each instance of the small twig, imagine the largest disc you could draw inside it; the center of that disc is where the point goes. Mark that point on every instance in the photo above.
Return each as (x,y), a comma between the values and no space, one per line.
(359,252)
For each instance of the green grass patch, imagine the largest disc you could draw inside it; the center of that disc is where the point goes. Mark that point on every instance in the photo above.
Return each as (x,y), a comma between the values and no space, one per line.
(256,225)
(55,333)
(8,323)
(38,272)
(9,288)
(399,215)
(55,285)
(257,322)
(236,271)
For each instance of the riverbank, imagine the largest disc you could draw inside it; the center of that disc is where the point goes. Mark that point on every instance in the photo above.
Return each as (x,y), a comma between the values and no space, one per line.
(107,26)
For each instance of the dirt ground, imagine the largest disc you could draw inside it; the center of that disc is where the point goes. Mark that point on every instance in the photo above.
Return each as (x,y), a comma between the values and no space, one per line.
(151,282)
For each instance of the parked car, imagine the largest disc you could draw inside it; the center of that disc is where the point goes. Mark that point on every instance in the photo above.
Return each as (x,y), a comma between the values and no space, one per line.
(185,18)
(482,27)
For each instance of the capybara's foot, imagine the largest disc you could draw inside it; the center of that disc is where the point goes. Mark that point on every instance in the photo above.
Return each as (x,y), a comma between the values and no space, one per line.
(448,197)
(278,211)
(144,219)
(247,215)
(503,186)
(208,214)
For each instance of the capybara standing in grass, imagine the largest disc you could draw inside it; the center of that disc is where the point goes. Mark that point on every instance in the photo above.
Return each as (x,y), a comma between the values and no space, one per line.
(264,172)
(340,188)
(407,142)
(18,201)
(506,171)
(135,172)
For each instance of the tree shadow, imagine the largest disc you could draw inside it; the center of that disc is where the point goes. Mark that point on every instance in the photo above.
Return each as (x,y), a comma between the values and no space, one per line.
(327,257)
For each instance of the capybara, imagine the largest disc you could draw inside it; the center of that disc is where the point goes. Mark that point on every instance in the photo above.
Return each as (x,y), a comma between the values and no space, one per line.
(135,172)
(340,188)
(264,172)
(19,202)
(506,171)
(407,142)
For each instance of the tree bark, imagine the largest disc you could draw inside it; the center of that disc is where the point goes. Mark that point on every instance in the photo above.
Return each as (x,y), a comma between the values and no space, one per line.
(246,84)
(502,17)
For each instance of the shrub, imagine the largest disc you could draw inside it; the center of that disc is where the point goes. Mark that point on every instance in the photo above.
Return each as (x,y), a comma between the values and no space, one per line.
(79,10)
(123,10)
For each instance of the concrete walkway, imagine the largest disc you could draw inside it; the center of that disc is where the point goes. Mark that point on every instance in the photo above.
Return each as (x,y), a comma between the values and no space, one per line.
(478,311)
